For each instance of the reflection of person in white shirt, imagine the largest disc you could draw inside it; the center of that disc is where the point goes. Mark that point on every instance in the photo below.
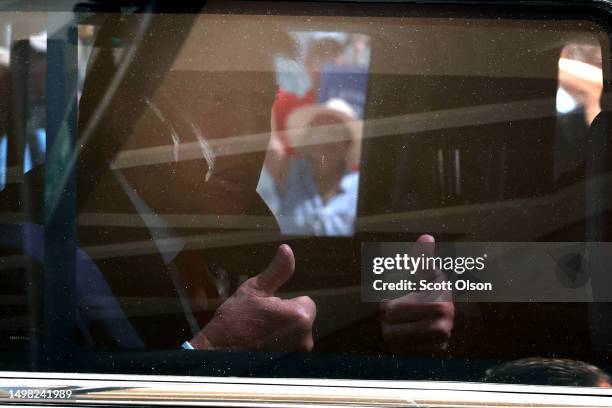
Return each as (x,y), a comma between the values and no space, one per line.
(320,194)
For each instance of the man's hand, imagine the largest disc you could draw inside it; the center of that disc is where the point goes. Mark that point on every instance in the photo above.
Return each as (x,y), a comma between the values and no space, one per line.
(254,319)
(419,322)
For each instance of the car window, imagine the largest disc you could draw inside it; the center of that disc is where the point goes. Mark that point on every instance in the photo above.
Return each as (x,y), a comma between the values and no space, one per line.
(251,189)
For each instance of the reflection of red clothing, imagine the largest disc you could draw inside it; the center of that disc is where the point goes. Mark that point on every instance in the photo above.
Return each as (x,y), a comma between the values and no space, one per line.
(285,103)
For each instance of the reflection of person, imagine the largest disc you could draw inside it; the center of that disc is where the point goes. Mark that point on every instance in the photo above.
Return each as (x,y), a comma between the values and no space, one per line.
(166,286)
(580,88)
(321,52)
(580,75)
(320,194)
(548,371)
(278,159)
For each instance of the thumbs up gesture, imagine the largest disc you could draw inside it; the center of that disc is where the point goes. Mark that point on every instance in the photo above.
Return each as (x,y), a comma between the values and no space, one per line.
(421,322)
(253,318)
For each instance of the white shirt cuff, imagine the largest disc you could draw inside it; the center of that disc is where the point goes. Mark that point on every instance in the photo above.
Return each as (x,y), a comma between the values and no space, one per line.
(187,346)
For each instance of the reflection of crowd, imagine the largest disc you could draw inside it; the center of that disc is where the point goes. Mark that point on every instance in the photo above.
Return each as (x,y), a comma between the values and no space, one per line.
(310,179)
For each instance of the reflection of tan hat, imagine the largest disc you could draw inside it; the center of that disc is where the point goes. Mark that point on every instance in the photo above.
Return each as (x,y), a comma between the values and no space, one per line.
(299,123)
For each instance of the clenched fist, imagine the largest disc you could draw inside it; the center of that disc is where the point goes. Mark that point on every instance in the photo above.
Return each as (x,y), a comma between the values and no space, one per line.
(253,318)
(421,322)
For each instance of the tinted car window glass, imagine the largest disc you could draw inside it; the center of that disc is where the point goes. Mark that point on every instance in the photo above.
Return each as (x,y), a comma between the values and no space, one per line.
(191,190)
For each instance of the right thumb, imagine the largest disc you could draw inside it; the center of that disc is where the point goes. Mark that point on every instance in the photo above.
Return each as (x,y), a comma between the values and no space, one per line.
(277,273)
(425,244)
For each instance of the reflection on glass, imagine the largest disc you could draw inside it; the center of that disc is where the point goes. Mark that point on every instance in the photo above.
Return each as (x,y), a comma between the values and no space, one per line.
(311,174)
(23,57)
(174,243)
(577,103)
(580,80)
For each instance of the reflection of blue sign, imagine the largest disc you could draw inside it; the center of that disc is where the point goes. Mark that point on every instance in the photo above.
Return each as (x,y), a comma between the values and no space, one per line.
(348,82)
